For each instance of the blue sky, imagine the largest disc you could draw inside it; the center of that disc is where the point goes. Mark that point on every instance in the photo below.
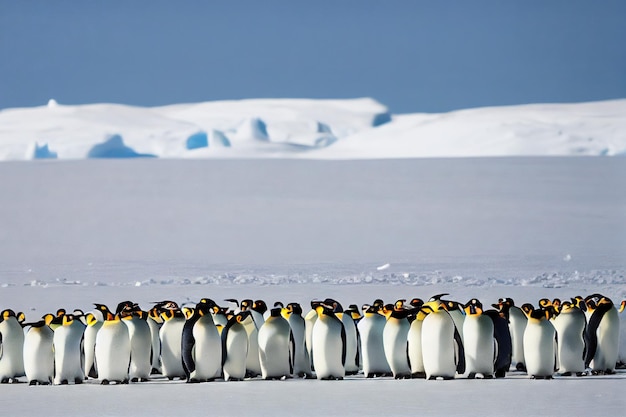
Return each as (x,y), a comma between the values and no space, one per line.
(414,56)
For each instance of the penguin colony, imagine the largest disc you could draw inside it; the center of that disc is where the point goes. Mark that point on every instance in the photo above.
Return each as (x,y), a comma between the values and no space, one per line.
(435,339)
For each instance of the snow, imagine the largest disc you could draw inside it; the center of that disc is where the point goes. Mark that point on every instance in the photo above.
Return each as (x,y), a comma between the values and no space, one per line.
(314,129)
(106,230)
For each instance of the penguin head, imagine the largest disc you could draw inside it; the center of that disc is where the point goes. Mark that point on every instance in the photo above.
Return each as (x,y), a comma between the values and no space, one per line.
(91,319)
(399,305)
(324,310)
(259,306)
(294,308)
(106,313)
(378,303)
(276,312)
(473,307)
(125,308)
(533,314)
(242,316)
(67,320)
(61,312)
(437,297)
(336,305)
(425,310)
(416,303)
(6,314)
(353,311)
(246,304)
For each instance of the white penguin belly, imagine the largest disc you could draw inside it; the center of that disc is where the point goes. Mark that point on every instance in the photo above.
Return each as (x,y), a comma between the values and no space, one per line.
(253,365)
(395,340)
(438,348)
(38,355)
(274,349)
(479,345)
(372,347)
(414,338)
(570,343)
(140,348)
(208,350)
(517,327)
(12,358)
(67,354)
(171,335)
(113,351)
(236,352)
(539,352)
(327,348)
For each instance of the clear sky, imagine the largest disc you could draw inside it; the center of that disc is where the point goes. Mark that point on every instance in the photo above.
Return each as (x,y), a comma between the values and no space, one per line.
(413,56)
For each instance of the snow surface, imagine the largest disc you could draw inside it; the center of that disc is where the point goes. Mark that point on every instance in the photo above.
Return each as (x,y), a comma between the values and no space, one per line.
(78,232)
(306,128)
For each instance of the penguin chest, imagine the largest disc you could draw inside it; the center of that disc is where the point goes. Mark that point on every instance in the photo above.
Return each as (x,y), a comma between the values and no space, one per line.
(113,351)
(328,347)
(414,338)
(539,348)
(236,352)
(38,354)
(395,340)
(607,342)
(478,342)
(11,358)
(208,350)
(171,335)
(571,346)
(67,353)
(372,346)
(274,348)
(438,345)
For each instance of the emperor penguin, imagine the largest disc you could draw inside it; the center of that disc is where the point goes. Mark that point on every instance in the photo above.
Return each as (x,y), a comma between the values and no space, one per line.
(252,326)
(275,346)
(442,348)
(301,361)
(309,322)
(258,310)
(113,351)
(202,345)
(328,344)
(395,339)
(94,321)
(570,328)
(136,320)
(517,326)
(352,347)
(68,335)
(154,323)
(602,335)
(38,353)
(170,334)
(478,341)
(414,339)
(539,337)
(371,328)
(235,347)
(11,346)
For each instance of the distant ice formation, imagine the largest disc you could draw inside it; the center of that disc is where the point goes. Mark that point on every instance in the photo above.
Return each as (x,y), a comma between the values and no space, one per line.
(307,128)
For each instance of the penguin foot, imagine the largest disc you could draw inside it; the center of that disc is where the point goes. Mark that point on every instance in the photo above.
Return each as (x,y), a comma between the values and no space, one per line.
(520,367)
(370,375)
(471,375)
(487,376)
(4,381)
(193,381)
(170,378)
(32,383)
(609,372)
(134,379)
(78,381)
(64,382)
(144,379)
(124,381)
(579,374)
(104,382)
(566,374)
(154,371)
(419,375)
(500,373)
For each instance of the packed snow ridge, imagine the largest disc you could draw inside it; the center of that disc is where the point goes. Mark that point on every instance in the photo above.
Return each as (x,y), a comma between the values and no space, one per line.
(306,128)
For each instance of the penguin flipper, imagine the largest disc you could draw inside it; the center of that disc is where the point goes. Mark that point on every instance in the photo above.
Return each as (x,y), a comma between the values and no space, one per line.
(292,351)
(1,345)
(188,344)
(343,344)
(460,364)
